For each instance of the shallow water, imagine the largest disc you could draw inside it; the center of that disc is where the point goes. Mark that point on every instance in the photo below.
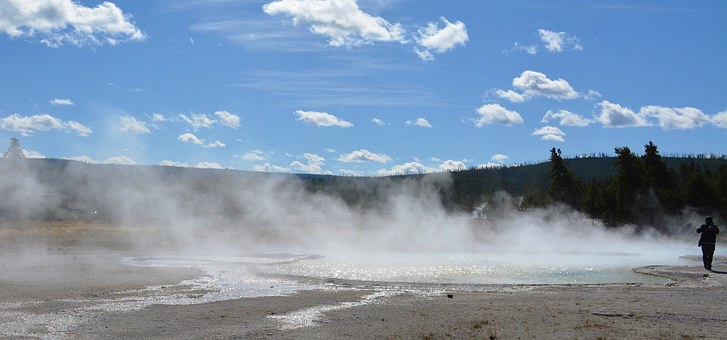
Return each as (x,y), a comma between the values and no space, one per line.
(241,274)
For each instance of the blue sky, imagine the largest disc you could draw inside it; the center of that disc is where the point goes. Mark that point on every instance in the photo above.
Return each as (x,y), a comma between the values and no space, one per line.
(367,87)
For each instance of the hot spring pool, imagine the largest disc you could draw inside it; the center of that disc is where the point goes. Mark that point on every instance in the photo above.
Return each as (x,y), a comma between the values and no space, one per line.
(438,268)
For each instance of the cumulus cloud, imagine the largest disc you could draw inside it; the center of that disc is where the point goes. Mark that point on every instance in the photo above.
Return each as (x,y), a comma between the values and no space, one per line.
(321,119)
(174,164)
(566,118)
(720,119)
(558,41)
(676,118)
(119,160)
(616,116)
(432,38)
(197,121)
(59,22)
(531,84)
(313,165)
(592,94)
(189,138)
(550,133)
(363,155)
(62,101)
(451,165)
(419,122)
(496,114)
(27,125)
(208,165)
(78,128)
(499,158)
(215,144)
(254,155)
(342,21)
(378,121)
(133,125)
(267,167)
(228,119)
(411,168)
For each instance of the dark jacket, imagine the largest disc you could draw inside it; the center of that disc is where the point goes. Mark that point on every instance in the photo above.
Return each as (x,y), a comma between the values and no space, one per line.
(709,234)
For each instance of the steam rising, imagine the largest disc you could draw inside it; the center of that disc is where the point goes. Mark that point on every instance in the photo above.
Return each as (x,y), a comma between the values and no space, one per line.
(220,213)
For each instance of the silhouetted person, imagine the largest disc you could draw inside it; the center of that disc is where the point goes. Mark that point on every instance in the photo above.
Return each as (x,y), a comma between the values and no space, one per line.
(707,241)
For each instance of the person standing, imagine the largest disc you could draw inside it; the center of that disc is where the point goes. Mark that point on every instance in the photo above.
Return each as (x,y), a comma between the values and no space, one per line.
(707,241)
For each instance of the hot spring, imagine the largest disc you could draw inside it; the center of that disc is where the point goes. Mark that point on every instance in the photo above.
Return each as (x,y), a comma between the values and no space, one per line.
(284,272)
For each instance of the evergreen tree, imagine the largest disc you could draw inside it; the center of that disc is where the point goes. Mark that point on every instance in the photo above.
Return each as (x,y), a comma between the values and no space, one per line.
(563,187)
(14,150)
(630,183)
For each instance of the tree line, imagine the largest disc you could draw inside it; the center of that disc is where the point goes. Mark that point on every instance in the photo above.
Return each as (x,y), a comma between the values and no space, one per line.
(644,191)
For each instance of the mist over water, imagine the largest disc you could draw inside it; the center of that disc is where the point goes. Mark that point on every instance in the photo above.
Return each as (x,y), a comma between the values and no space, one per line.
(405,234)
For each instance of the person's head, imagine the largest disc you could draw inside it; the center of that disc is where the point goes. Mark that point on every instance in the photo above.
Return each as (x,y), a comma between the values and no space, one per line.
(708,219)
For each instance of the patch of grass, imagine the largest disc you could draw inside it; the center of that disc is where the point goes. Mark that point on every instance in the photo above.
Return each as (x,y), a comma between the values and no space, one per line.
(480,324)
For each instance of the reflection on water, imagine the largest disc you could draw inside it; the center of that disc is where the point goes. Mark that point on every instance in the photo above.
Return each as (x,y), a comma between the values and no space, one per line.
(451,268)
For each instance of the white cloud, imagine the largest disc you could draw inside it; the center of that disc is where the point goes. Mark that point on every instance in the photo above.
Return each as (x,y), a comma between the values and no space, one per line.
(59,22)
(440,40)
(62,101)
(512,96)
(363,155)
(616,116)
(84,159)
(450,165)
(499,158)
(27,125)
(411,168)
(254,155)
(208,165)
(198,121)
(550,133)
(676,118)
(720,119)
(378,121)
(190,138)
(529,49)
(133,125)
(342,21)
(119,160)
(158,117)
(313,164)
(111,160)
(566,118)
(558,41)
(78,128)
(215,144)
(592,94)
(32,154)
(267,167)
(533,84)
(496,114)
(174,164)
(321,119)
(228,119)
(419,122)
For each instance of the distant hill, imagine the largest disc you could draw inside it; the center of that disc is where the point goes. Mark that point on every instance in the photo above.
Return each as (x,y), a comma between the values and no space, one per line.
(68,189)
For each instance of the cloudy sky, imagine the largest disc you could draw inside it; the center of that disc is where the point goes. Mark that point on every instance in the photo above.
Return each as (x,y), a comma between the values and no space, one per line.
(360,87)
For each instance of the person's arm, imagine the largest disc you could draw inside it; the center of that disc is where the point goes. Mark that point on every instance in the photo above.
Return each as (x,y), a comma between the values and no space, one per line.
(699,230)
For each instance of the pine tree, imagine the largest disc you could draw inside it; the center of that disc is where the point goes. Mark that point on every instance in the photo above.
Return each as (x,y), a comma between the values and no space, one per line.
(14,150)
